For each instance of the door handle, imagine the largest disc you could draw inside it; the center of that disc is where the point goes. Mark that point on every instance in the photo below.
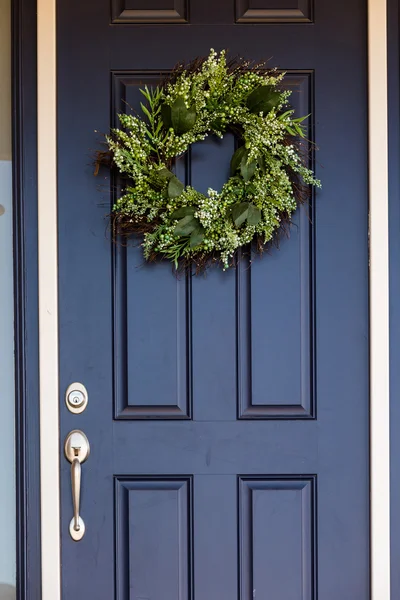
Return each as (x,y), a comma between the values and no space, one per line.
(77,450)
(76,473)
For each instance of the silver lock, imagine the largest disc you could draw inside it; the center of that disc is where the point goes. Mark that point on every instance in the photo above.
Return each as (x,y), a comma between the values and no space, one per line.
(76,398)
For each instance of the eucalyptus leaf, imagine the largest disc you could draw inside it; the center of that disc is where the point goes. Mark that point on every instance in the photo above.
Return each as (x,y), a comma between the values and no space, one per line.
(158,179)
(263,99)
(165,173)
(261,163)
(166,116)
(156,182)
(253,214)
(247,170)
(182,118)
(240,212)
(245,211)
(196,237)
(237,157)
(175,187)
(186,225)
(184,211)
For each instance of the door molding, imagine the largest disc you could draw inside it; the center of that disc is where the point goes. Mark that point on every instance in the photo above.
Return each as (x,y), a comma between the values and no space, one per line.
(48,304)
(24,162)
(379,300)
(48,298)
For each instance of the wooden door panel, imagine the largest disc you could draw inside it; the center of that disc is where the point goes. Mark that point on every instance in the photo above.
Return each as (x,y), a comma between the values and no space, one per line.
(277,540)
(151,335)
(156,11)
(153,537)
(228,413)
(143,338)
(282,11)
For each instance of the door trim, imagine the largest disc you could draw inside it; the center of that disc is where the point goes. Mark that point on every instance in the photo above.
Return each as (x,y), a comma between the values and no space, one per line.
(379,300)
(24,163)
(48,298)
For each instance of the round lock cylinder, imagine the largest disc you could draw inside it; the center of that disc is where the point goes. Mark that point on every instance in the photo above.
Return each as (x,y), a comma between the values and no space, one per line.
(76,398)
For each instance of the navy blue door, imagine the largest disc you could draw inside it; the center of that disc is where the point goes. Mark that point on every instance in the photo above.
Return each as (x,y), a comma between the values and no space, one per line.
(228,414)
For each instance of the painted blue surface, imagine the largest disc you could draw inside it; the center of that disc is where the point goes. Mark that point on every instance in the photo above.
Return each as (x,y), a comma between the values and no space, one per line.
(228,414)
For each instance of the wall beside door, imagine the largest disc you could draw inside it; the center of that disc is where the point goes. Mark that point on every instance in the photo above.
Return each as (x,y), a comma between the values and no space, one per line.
(7,470)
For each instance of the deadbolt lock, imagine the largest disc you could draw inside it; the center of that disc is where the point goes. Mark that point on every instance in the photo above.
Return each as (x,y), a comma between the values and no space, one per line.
(76,398)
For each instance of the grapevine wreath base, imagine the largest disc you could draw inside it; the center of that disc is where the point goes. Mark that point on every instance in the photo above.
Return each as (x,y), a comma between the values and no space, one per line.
(269,175)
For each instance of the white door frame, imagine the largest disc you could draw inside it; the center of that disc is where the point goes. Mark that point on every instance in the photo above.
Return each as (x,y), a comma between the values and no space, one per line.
(379,300)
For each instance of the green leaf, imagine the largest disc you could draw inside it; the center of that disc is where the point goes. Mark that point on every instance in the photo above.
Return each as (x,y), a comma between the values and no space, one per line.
(239,213)
(290,130)
(261,163)
(217,125)
(184,211)
(159,127)
(253,214)
(165,173)
(146,111)
(301,119)
(274,201)
(237,158)
(196,237)
(186,225)
(245,211)
(149,135)
(156,182)
(247,169)
(263,99)
(300,131)
(182,118)
(145,93)
(285,114)
(166,116)
(175,187)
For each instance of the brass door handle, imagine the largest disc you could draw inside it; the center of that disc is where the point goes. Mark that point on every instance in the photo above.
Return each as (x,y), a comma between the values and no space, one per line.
(76,450)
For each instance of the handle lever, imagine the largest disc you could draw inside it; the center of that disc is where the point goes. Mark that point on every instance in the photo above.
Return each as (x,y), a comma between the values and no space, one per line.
(76,472)
(77,450)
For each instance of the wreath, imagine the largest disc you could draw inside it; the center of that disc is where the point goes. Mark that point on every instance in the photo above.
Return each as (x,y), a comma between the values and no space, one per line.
(269,173)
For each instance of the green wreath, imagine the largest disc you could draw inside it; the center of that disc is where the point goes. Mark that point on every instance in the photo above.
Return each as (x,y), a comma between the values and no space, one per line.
(269,175)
